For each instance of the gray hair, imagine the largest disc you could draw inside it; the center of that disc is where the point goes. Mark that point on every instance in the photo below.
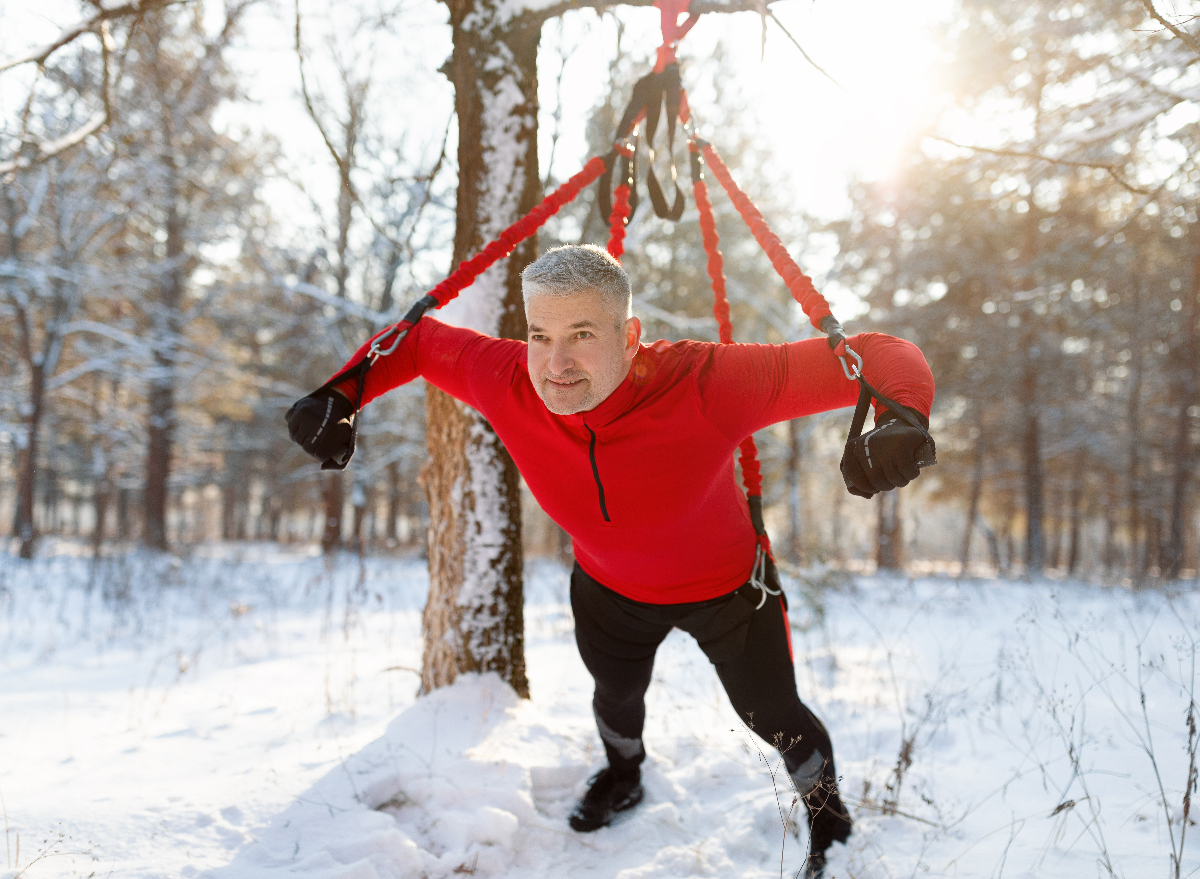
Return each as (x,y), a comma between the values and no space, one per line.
(578,268)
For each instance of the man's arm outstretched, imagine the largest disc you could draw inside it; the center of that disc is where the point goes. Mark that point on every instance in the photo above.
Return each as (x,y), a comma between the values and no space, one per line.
(468,365)
(748,387)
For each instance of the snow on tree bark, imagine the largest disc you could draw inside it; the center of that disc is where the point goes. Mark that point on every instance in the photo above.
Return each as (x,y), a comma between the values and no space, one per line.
(474,618)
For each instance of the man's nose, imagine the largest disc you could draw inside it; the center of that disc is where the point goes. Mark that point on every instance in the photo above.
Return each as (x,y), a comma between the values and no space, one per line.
(560,359)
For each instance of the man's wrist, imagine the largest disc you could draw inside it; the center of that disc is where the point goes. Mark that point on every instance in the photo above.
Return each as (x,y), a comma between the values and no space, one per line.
(884,415)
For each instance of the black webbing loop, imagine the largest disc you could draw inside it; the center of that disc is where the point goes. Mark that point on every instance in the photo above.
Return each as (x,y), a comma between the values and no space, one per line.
(669,90)
(626,172)
(650,93)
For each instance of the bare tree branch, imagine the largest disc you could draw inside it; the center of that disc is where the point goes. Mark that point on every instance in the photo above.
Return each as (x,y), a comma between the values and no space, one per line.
(821,70)
(1188,40)
(308,102)
(1109,169)
(48,149)
(70,34)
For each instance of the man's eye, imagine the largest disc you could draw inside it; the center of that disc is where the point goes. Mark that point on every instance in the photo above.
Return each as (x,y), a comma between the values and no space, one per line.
(582,334)
(537,337)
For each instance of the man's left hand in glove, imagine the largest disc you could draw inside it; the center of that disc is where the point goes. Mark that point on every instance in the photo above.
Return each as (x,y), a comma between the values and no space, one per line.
(320,424)
(890,456)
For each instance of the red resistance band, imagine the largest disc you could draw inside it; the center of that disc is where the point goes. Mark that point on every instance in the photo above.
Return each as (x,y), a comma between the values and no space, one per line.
(748,452)
(508,240)
(800,284)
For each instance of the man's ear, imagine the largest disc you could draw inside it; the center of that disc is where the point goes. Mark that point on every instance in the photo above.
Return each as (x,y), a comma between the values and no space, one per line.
(633,337)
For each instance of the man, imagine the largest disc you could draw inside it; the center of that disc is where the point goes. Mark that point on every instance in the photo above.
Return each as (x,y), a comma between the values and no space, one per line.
(629,448)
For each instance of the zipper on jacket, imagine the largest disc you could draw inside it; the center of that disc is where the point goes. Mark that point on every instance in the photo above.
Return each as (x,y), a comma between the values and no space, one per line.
(596,473)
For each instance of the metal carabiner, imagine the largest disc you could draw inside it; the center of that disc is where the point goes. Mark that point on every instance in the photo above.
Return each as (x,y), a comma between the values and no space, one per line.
(758,576)
(375,352)
(852,372)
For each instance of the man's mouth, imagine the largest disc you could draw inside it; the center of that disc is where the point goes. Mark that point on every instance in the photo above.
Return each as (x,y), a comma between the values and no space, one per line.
(564,383)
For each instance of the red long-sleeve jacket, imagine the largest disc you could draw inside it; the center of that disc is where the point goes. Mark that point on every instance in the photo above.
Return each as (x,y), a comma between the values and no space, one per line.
(644,483)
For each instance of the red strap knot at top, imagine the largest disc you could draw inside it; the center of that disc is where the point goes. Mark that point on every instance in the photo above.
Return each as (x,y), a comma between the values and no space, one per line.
(800,284)
(672,30)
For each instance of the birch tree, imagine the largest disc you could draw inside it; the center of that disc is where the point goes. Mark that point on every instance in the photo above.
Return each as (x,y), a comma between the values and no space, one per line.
(474,618)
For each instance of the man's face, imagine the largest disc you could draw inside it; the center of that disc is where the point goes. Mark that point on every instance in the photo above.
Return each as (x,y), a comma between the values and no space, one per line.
(577,356)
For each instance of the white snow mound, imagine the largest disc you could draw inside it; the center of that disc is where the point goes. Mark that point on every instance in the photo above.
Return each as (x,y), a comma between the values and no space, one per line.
(471,780)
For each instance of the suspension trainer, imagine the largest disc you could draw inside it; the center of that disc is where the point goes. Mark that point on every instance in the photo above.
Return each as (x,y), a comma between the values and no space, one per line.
(659,97)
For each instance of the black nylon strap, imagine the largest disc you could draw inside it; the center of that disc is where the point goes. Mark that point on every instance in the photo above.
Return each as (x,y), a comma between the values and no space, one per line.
(639,99)
(604,187)
(756,513)
(860,412)
(653,105)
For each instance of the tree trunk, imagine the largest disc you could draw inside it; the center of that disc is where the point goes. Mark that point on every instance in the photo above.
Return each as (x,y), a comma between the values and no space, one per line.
(101,496)
(1134,427)
(358,501)
(393,501)
(334,498)
(1150,550)
(26,529)
(1172,552)
(123,526)
(993,542)
(1076,513)
(474,619)
(24,526)
(1035,547)
(888,538)
(1057,527)
(1110,541)
(167,326)
(974,498)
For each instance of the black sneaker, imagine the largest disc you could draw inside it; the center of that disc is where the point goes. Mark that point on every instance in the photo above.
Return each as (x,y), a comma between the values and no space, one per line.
(608,793)
(828,822)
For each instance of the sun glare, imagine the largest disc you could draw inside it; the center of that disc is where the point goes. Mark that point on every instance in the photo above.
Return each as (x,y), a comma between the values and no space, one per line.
(882,56)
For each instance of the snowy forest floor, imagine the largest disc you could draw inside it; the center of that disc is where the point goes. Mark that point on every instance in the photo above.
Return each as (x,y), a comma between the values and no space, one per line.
(250,712)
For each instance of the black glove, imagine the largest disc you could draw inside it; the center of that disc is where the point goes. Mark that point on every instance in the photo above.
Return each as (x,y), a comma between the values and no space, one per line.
(887,457)
(320,424)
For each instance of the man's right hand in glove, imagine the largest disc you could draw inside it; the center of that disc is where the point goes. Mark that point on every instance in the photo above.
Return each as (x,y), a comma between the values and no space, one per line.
(321,426)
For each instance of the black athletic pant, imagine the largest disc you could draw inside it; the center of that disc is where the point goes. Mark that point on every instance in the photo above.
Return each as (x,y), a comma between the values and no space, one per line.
(750,649)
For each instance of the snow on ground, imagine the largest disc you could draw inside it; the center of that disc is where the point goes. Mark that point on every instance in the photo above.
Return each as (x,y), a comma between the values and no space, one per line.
(247,712)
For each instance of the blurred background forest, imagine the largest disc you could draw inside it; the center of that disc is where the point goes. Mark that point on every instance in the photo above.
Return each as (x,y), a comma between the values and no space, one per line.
(172,277)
